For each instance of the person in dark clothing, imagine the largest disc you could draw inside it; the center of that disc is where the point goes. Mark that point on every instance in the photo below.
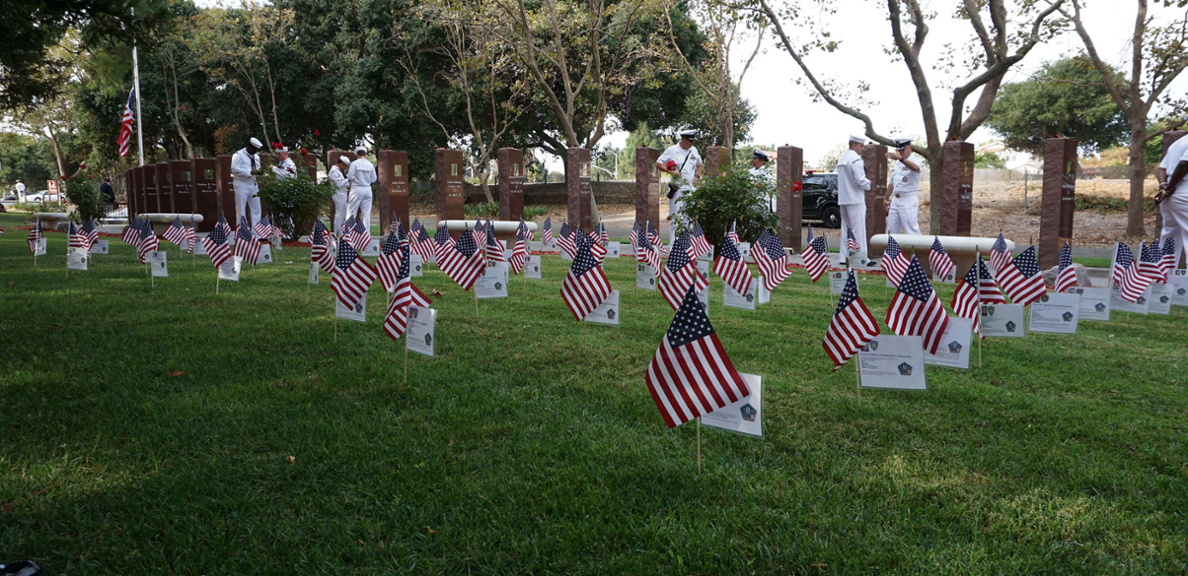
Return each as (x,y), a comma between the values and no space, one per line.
(107,194)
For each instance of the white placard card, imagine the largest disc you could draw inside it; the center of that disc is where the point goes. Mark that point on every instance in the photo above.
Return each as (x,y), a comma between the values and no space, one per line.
(764,293)
(39,249)
(733,299)
(1003,321)
(744,416)
(837,281)
(1179,283)
(607,312)
(953,351)
(532,267)
(416,266)
(703,268)
(265,254)
(76,259)
(1055,313)
(894,362)
(199,249)
(645,276)
(358,313)
(100,247)
(493,282)
(744,248)
(373,248)
(313,272)
(1161,298)
(614,249)
(159,261)
(1120,304)
(421,323)
(231,268)
(1095,303)
(565,256)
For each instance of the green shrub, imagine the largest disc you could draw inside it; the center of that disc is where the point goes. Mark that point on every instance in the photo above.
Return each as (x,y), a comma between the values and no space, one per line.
(1108,204)
(735,197)
(293,203)
(38,207)
(88,203)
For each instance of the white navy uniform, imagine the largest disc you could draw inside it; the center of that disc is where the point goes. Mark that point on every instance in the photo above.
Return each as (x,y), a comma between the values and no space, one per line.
(285,169)
(904,215)
(852,185)
(676,205)
(764,174)
(244,182)
(1175,207)
(361,175)
(342,188)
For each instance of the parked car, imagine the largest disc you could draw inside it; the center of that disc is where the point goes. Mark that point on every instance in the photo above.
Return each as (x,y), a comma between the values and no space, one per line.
(819,198)
(41,196)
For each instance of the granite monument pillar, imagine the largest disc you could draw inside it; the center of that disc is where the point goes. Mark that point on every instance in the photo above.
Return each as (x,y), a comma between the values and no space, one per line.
(789,201)
(577,186)
(227,207)
(956,193)
(1058,203)
(511,184)
(182,182)
(717,161)
(647,186)
(448,171)
(874,156)
(206,193)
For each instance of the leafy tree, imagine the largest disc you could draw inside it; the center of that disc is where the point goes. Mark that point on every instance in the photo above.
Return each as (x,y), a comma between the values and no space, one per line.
(1065,97)
(703,113)
(988,160)
(641,136)
(24,158)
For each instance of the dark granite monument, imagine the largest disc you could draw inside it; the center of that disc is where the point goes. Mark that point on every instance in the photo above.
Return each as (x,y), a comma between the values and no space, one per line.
(874,156)
(577,185)
(150,190)
(206,193)
(647,186)
(1058,203)
(511,184)
(956,194)
(164,188)
(717,161)
(134,191)
(226,189)
(392,187)
(448,171)
(789,201)
(182,181)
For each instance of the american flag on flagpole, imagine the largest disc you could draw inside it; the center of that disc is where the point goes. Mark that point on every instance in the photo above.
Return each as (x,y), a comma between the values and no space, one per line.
(480,233)
(442,241)
(680,273)
(519,253)
(390,260)
(816,257)
(597,249)
(216,246)
(247,247)
(939,261)
(320,252)
(601,234)
(691,375)
(852,326)
(360,235)
(1168,261)
(1021,278)
(1066,277)
(463,262)
(771,259)
(132,233)
(916,310)
(404,294)
(966,302)
(894,262)
(999,255)
(585,286)
(125,141)
(222,223)
(421,243)
(352,276)
(34,235)
(546,236)
(1149,259)
(191,236)
(529,235)
(654,237)
(697,242)
(634,238)
(851,241)
(729,266)
(175,233)
(148,241)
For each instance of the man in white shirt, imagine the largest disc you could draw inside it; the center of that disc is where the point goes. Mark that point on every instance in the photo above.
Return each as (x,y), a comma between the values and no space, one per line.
(285,168)
(342,187)
(759,171)
(852,185)
(361,175)
(683,162)
(903,201)
(245,166)
(1173,194)
(20,191)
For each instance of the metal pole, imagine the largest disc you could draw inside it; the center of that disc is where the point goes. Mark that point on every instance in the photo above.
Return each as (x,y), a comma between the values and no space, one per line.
(136,87)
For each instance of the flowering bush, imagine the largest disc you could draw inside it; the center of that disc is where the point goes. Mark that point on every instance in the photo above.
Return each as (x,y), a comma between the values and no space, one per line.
(734,197)
(293,203)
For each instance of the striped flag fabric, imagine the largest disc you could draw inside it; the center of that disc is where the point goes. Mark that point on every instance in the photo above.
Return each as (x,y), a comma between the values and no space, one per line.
(966,303)
(1168,261)
(216,246)
(771,259)
(546,235)
(1130,280)
(600,233)
(733,233)
(1021,278)
(75,237)
(1066,276)
(566,241)
(519,253)
(1149,258)
(360,235)
(480,233)
(320,252)
(191,236)
(529,235)
(352,275)
(916,311)
(816,257)
(125,140)
(442,241)
(987,285)
(390,259)
(494,248)
(132,233)
(680,273)
(646,253)
(263,228)
(999,255)
(851,241)
(35,235)
(91,230)
(654,237)
(247,247)
(404,294)
(690,374)
(585,286)
(852,326)
(729,266)
(222,223)
(634,238)
(463,262)
(148,241)
(597,249)
(894,262)
(175,233)
(697,242)
(420,242)
(939,261)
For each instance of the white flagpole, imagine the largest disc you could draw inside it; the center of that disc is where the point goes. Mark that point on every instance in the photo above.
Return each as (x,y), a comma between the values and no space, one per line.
(136,87)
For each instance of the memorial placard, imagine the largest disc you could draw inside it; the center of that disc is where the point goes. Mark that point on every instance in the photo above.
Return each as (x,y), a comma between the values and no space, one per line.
(953,351)
(837,281)
(39,248)
(614,250)
(76,259)
(314,271)
(1003,321)
(421,324)
(532,267)
(265,256)
(748,301)
(645,276)
(1160,298)
(356,314)
(1055,313)
(493,282)
(159,259)
(231,268)
(416,267)
(744,416)
(893,362)
(1179,283)
(1094,303)
(606,313)
(100,247)
(1120,304)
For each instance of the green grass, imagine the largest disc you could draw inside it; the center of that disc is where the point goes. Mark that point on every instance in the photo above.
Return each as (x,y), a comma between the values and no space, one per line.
(524,448)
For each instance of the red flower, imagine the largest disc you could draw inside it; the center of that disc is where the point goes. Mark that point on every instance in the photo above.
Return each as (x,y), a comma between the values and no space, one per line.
(82,165)
(317,133)
(796,187)
(304,151)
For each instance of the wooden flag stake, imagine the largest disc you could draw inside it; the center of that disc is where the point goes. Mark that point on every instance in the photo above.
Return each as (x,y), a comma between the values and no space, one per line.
(476,310)
(217,280)
(1026,327)
(858,380)
(699,445)
(406,357)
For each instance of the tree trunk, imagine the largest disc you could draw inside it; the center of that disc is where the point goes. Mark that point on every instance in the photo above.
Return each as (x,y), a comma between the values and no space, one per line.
(935,181)
(484,178)
(1138,174)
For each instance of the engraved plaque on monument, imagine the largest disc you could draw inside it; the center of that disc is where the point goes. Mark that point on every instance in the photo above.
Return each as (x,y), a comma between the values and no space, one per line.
(1058,203)
(577,186)
(647,186)
(226,189)
(164,188)
(206,193)
(717,161)
(789,200)
(448,170)
(956,194)
(874,156)
(182,180)
(150,190)
(511,184)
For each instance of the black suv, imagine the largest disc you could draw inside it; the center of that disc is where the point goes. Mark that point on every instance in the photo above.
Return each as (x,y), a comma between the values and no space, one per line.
(819,199)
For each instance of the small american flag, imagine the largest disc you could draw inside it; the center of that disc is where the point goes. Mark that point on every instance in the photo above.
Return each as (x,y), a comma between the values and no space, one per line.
(566,240)
(600,231)
(352,276)
(480,233)
(851,241)
(691,375)
(320,251)
(999,255)
(680,273)
(391,259)
(1168,261)
(148,241)
(442,242)
(404,295)
(700,247)
(1021,278)
(647,253)
(733,233)
(421,244)
(895,262)
(585,286)
(191,236)
(915,309)
(224,225)
(494,249)
(816,257)
(852,326)
(939,261)
(1066,277)
(132,233)
(546,236)
(634,238)
(91,229)
(463,262)
(360,235)
(771,259)
(729,266)
(125,140)
(987,286)
(263,228)
(75,237)
(654,237)
(246,245)
(34,236)
(597,249)
(520,252)
(1149,260)
(529,235)
(965,297)
(175,233)
(216,246)
(1126,273)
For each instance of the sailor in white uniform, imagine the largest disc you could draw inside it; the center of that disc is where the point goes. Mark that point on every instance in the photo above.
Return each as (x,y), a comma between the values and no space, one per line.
(1172,198)
(245,166)
(285,168)
(361,175)
(852,185)
(342,187)
(759,171)
(903,201)
(683,162)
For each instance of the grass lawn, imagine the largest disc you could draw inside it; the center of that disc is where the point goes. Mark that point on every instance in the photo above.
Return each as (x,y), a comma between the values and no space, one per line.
(165,430)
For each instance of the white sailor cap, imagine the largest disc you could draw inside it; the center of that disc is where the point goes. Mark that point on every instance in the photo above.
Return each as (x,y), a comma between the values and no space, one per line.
(858,139)
(283,149)
(901,143)
(760,155)
(360,149)
(256,143)
(690,133)
(343,158)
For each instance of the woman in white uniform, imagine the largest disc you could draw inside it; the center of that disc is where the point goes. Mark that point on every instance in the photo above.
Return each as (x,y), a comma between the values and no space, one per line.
(903,192)
(342,188)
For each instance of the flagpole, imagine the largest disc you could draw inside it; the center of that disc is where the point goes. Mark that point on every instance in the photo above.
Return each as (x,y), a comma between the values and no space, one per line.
(978,263)
(406,356)
(217,280)
(136,86)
